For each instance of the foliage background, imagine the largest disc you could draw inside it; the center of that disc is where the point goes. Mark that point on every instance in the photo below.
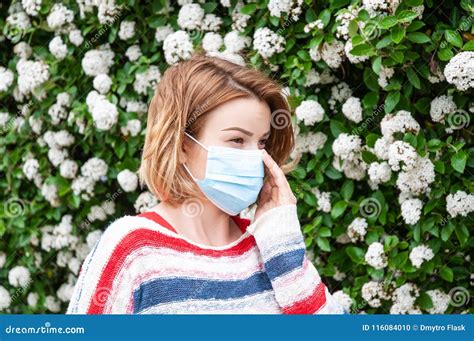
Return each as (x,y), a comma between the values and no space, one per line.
(414,46)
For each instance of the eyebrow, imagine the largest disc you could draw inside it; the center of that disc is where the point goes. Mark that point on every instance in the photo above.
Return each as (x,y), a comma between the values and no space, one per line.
(246,132)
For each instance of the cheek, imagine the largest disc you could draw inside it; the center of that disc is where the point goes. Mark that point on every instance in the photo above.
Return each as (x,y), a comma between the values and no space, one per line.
(197,162)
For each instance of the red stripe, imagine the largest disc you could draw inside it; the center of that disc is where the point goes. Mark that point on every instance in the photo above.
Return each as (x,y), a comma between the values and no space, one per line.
(144,237)
(242,223)
(309,305)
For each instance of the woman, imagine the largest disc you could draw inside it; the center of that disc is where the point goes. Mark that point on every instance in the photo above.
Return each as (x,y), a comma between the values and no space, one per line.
(213,147)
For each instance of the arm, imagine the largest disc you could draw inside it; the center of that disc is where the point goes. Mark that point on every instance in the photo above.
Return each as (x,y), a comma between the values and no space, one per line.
(296,282)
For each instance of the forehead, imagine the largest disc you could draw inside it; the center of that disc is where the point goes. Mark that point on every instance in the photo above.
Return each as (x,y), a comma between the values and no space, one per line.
(248,113)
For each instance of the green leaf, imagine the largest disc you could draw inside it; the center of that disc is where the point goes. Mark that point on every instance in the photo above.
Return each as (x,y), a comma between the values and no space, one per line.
(338,209)
(323,244)
(347,189)
(469,46)
(397,33)
(337,128)
(413,78)
(445,54)
(424,301)
(418,37)
(387,22)
(368,157)
(356,254)
(248,9)
(453,37)
(458,161)
(446,273)
(446,232)
(391,101)
(362,50)
(406,16)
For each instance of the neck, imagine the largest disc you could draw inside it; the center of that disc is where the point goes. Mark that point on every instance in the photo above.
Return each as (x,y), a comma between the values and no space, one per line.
(201,221)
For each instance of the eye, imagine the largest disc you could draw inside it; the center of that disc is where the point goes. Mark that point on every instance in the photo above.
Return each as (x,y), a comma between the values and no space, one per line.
(238,140)
(263,142)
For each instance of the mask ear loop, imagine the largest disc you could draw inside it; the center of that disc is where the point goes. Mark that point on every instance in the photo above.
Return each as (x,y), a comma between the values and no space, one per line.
(184,164)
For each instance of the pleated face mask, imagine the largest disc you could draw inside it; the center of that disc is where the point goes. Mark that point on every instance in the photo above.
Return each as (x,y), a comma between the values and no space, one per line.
(233,178)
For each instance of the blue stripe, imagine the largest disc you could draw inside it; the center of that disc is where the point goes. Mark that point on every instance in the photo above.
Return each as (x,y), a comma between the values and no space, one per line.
(164,290)
(284,263)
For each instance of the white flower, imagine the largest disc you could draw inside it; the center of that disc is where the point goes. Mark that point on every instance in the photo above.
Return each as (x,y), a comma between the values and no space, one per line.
(20,20)
(416,181)
(145,202)
(353,59)
(23,50)
(30,168)
(323,200)
(343,299)
(147,79)
(132,128)
(128,180)
(75,37)
(225,55)
(440,301)
(404,299)
(339,93)
(96,213)
(19,276)
(68,169)
(357,229)
(308,143)
(212,41)
(419,254)
(6,78)
(177,46)
(102,83)
(235,42)
(31,7)
(32,299)
(411,210)
(381,148)
(384,75)
(59,15)
(133,53)
(459,203)
(267,43)
(127,30)
(31,74)
(379,172)
(65,292)
(332,53)
(441,106)
(57,48)
(5,298)
(98,61)
(373,292)
(162,32)
(401,151)
(345,145)
(460,70)
(290,7)
(104,113)
(190,16)
(52,304)
(352,109)
(310,112)
(375,256)
(50,193)
(402,122)
(94,168)
(211,22)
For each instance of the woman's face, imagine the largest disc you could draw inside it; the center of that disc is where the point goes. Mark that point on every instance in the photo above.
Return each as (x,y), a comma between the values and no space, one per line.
(242,123)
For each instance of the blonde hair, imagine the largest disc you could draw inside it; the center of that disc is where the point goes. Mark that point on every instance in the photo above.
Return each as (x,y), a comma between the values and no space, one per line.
(187,91)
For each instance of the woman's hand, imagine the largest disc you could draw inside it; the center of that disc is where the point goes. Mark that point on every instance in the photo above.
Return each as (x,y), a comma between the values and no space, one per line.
(276,191)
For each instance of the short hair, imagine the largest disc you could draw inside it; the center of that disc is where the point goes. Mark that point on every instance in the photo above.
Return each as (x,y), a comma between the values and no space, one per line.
(189,90)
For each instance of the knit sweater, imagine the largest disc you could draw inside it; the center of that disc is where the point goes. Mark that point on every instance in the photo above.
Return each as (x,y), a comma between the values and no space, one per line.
(141,265)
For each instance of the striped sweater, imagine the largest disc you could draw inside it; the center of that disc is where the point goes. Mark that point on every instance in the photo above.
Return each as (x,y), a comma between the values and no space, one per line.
(141,265)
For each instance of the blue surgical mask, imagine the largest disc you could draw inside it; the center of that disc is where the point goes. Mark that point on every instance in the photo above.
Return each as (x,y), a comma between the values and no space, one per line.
(233,179)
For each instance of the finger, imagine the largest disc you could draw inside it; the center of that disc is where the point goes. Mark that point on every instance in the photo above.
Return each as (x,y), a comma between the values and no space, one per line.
(265,194)
(279,178)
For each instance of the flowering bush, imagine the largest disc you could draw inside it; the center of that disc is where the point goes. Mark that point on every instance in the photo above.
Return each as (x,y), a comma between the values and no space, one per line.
(382,92)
